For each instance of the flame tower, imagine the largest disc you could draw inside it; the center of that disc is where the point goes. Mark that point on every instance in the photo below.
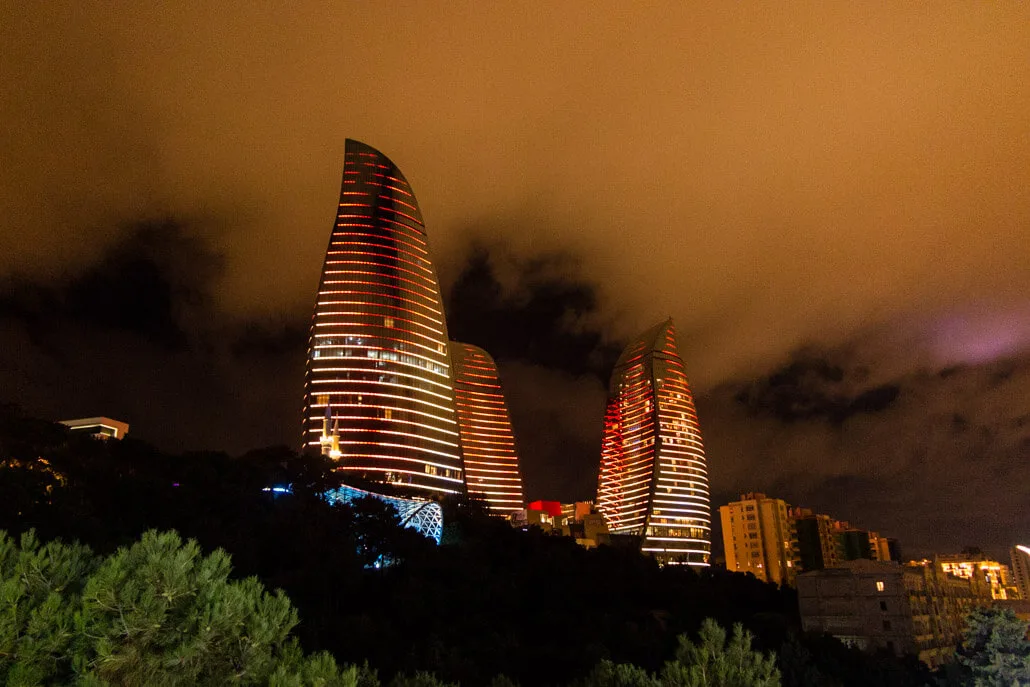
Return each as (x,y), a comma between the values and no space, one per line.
(487,440)
(653,480)
(377,387)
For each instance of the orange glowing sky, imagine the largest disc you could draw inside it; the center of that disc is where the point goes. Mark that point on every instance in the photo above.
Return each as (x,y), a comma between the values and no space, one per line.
(808,171)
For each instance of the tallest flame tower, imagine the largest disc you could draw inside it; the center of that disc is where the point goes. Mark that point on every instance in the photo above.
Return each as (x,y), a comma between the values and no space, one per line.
(378,389)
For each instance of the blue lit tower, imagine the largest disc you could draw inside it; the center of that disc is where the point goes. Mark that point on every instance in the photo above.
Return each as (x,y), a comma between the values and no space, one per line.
(653,479)
(378,374)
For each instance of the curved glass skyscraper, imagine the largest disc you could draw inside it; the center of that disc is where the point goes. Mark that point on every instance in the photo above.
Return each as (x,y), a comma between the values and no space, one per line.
(653,480)
(378,394)
(487,440)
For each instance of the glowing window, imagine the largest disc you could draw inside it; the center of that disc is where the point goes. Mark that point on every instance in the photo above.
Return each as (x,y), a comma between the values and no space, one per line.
(880,585)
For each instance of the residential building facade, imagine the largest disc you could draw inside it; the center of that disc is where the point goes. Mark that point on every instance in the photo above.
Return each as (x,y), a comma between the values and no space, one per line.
(993,576)
(759,538)
(915,609)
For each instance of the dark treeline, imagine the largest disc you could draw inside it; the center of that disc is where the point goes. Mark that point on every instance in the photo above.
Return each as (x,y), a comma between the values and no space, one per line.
(489,601)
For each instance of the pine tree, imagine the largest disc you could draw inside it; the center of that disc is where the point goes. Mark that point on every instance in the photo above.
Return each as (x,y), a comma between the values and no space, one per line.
(158,613)
(420,679)
(608,674)
(714,662)
(37,624)
(996,648)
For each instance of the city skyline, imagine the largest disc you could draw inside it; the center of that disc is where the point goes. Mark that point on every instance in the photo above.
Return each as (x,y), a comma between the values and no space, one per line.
(831,203)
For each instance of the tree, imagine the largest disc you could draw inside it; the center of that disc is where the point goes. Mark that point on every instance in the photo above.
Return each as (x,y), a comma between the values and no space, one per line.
(155,613)
(608,674)
(714,662)
(420,679)
(381,539)
(996,649)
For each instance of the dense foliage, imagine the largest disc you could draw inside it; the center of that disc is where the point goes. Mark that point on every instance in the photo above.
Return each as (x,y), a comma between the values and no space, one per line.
(491,601)
(996,650)
(155,613)
(710,662)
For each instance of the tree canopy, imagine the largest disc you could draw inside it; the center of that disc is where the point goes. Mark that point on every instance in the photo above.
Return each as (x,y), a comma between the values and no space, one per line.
(155,613)
(996,650)
(490,601)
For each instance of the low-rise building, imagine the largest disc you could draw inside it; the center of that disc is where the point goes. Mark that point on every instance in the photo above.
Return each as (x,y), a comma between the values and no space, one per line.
(918,610)
(98,427)
(579,520)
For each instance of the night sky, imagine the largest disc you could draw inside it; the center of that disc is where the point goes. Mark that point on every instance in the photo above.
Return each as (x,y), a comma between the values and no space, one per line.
(833,203)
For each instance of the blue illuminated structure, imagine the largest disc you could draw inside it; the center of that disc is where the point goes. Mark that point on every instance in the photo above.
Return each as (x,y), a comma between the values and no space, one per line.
(425,517)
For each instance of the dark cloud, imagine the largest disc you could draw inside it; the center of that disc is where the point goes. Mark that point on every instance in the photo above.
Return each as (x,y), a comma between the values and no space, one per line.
(811,388)
(149,284)
(950,447)
(539,310)
(558,419)
(538,318)
(137,334)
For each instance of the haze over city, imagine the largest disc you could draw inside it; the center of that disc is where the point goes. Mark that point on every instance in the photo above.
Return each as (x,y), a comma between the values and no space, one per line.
(833,204)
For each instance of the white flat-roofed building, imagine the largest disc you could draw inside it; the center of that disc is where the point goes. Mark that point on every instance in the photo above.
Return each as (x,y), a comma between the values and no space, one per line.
(99,427)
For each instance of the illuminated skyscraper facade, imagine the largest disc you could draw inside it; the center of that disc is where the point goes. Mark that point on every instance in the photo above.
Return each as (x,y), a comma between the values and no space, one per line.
(487,441)
(378,390)
(653,479)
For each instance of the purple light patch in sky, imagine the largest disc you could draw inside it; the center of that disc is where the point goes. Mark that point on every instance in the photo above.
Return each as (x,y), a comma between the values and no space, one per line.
(981,337)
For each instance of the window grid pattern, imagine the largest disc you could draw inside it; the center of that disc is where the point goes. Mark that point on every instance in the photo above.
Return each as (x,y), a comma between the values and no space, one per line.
(377,358)
(653,480)
(487,440)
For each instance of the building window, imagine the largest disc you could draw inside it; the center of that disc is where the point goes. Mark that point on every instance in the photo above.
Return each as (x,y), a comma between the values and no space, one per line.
(883,605)
(880,585)
(887,625)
